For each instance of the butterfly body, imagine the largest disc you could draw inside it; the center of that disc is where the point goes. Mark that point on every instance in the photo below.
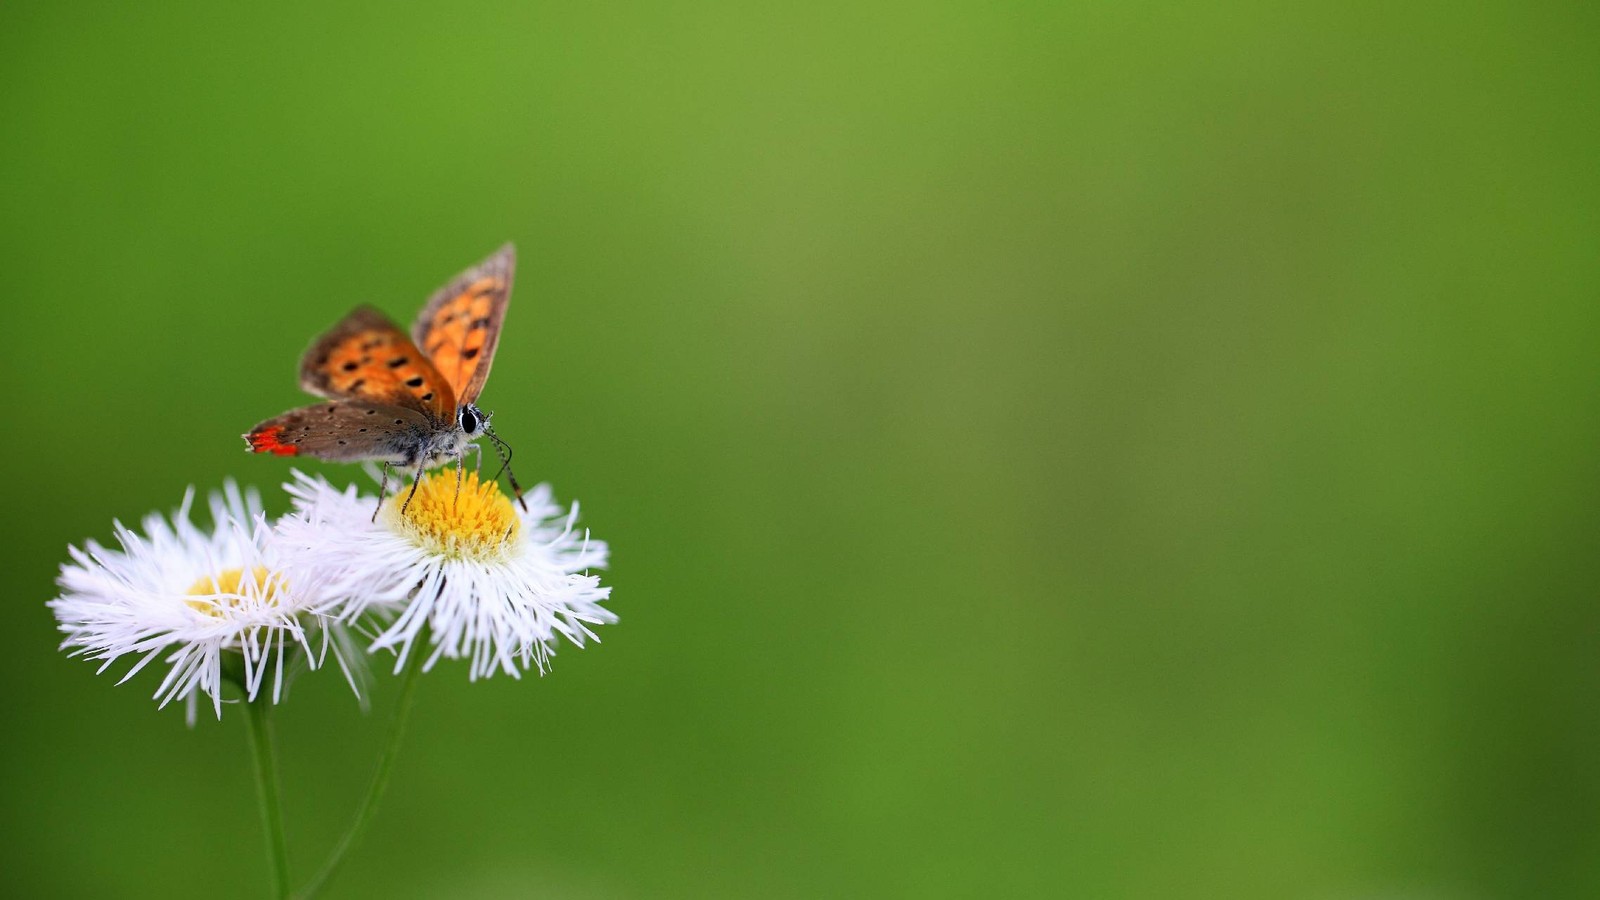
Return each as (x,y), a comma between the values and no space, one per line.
(389,400)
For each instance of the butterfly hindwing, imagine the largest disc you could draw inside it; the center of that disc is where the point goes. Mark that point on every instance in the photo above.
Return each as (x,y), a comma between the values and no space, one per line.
(460,326)
(343,431)
(367,357)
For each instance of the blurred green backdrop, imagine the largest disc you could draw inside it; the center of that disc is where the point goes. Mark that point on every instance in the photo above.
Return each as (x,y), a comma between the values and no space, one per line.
(1065,449)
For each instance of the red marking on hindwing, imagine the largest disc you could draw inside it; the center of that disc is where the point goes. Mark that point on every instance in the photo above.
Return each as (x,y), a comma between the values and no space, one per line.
(266,441)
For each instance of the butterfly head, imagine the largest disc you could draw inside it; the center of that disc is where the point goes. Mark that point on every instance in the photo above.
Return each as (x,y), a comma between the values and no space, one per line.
(445,444)
(471,420)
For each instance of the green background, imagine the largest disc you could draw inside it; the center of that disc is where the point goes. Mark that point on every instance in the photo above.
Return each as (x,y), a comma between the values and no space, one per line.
(1069,449)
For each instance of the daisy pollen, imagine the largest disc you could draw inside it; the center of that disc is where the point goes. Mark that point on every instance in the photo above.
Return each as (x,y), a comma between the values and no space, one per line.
(458,518)
(233,589)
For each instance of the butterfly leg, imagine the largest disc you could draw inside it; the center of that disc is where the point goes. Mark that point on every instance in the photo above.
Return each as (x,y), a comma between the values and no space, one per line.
(416,480)
(383,491)
(461,459)
(461,456)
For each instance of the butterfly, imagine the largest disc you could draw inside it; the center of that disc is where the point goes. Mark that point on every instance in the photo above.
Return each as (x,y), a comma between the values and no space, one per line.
(409,403)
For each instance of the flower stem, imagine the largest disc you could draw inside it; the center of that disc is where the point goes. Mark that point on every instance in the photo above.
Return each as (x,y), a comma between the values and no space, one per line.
(380,778)
(259,720)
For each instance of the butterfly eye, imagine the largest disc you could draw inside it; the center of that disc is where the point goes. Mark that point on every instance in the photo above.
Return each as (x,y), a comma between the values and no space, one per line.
(469,420)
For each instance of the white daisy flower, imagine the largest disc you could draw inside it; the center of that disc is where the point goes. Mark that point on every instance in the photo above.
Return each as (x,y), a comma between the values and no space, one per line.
(217,602)
(486,581)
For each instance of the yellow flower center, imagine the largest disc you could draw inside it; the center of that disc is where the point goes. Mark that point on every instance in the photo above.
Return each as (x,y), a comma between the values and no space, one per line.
(469,519)
(227,589)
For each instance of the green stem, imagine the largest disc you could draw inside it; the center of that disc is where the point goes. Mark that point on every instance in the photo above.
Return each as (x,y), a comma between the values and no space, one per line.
(261,745)
(380,777)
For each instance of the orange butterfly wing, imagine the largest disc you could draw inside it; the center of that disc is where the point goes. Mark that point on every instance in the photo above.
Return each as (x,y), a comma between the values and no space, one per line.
(460,326)
(366,357)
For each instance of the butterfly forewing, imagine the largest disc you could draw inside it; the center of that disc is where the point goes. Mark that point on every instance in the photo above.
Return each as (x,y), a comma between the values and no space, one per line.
(460,326)
(368,358)
(343,431)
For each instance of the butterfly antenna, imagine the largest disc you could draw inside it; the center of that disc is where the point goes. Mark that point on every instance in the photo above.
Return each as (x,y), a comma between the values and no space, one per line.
(503,450)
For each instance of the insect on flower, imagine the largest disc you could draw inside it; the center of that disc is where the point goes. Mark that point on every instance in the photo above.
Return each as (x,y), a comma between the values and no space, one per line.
(407,403)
